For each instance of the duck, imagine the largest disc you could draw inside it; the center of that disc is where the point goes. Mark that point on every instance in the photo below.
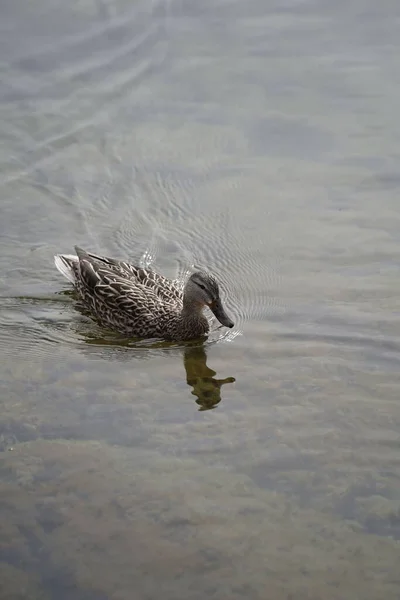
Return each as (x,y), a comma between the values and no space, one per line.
(139,302)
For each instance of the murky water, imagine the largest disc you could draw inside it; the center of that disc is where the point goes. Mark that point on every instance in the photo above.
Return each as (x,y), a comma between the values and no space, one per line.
(260,140)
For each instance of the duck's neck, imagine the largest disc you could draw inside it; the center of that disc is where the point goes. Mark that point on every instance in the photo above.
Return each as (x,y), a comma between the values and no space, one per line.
(192,316)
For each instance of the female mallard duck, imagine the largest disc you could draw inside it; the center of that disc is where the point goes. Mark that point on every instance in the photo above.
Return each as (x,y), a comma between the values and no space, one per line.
(142,303)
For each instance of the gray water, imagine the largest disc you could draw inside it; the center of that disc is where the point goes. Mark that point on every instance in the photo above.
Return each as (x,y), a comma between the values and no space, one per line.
(259,139)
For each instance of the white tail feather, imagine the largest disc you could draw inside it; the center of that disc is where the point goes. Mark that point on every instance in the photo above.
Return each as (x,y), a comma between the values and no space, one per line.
(64,263)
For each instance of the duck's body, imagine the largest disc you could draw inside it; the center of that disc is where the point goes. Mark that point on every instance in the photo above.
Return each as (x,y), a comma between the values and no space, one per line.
(141,303)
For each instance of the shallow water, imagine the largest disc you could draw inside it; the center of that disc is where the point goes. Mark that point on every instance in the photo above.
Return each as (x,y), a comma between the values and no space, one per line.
(257,139)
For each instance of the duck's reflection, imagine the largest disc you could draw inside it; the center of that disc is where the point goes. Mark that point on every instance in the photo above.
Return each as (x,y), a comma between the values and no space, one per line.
(206,388)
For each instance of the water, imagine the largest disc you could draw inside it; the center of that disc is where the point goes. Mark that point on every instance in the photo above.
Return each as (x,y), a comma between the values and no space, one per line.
(260,140)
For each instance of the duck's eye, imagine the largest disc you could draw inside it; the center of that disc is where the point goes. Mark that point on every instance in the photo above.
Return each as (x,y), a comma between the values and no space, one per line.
(203,287)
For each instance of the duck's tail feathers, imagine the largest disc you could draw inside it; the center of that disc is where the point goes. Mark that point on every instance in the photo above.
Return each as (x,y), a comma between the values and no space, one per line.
(65,264)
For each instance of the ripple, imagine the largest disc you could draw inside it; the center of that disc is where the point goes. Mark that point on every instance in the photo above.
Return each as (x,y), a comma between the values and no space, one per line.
(181,236)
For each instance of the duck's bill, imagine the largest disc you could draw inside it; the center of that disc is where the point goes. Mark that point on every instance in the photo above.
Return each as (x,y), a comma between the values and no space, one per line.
(221,315)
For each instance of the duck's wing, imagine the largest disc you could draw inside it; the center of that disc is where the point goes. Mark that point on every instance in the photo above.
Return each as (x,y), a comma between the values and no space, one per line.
(100,284)
(121,267)
(164,288)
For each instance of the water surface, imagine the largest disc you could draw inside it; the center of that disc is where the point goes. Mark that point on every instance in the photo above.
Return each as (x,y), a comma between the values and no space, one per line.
(259,140)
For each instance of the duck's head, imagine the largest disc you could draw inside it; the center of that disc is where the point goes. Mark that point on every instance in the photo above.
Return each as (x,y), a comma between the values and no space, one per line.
(201,289)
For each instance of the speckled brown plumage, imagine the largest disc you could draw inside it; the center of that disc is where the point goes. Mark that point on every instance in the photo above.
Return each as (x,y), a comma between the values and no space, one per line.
(141,303)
